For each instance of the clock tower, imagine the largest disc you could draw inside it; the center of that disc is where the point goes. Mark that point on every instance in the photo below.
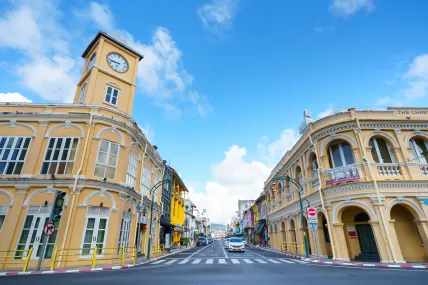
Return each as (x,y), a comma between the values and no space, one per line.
(109,74)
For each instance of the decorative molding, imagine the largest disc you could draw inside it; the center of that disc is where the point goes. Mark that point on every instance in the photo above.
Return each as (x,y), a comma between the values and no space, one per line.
(22,187)
(376,200)
(409,202)
(333,130)
(369,209)
(26,176)
(103,193)
(49,190)
(331,138)
(113,130)
(353,187)
(67,125)
(13,124)
(12,201)
(369,135)
(412,134)
(78,188)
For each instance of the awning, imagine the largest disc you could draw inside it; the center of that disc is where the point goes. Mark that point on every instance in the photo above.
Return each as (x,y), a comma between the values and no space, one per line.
(260,225)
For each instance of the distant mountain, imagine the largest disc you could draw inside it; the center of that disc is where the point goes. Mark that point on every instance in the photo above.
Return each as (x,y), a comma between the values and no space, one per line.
(218,227)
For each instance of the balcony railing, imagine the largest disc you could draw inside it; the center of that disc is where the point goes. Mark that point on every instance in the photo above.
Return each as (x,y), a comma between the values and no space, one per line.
(388,169)
(343,174)
(424,168)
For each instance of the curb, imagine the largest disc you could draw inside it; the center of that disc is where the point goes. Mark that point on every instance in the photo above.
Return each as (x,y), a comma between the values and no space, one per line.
(382,265)
(108,268)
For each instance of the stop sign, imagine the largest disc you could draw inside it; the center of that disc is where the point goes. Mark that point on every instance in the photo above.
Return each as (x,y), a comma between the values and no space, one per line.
(312,212)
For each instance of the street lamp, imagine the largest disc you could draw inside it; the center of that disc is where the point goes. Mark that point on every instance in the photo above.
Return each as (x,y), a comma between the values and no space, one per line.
(152,191)
(295,182)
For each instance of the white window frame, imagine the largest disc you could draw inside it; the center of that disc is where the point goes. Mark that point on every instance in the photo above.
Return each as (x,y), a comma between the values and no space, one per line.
(342,155)
(131,175)
(91,61)
(97,218)
(156,192)
(125,231)
(3,213)
(315,169)
(61,150)
(8,160)
(415,150)
(108,154)
(145,187)
(82,93)
(111,96)
(374,139)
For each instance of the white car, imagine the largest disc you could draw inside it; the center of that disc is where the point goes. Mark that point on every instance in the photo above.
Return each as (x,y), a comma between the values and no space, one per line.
(227,242)
(244,241)
(236,244)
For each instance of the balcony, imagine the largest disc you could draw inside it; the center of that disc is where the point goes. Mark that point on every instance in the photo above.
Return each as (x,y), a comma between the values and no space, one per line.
(424,169)
(344,174)
(389,169)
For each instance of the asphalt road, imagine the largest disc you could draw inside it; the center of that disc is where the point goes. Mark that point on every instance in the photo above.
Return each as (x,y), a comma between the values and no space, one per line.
(212,264)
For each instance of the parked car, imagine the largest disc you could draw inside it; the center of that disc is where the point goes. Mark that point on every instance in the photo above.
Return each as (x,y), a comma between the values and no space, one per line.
(244,241)
(202,241)
(236,244)
(227,242)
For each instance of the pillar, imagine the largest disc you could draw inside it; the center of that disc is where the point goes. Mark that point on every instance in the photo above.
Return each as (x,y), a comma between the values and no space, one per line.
(381,243)
(423,231)
(322,246)
(340,242)
(394,240)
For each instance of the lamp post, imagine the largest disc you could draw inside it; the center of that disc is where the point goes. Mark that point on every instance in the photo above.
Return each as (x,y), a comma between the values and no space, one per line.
(288,178)
(152,191)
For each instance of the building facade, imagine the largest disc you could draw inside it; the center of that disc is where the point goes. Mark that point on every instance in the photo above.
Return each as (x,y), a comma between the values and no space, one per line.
(91,149)
(165,220)
(366,171)
(244,205)
(177,207)
(189,222)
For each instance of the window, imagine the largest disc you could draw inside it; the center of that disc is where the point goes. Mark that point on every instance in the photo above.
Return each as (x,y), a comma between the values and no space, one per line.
(145,181)
(107,160)
(95,229)
(156,192)
(82,94)
(340,154)
(125,231)
(13,151)
(111,95)
(60,156)
(381,151)
(315,166)
(3,212)
(91,61)
(299,176)
(131,176)
(420,150)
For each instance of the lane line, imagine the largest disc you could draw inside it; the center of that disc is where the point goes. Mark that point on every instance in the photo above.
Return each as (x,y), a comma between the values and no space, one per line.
(184,261)
(235,261)
(286,261)
(222,261)
(171,261)
(260,260)
(248,261)
(273,260)
(256,253)
(209,261)
(225,254)
(196,261)
(159,261)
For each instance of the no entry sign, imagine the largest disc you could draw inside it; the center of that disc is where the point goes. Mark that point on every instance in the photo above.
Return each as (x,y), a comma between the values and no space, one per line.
(49,229)
(312,215)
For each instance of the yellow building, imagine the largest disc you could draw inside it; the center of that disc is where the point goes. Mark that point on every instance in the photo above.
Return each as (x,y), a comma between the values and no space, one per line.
(93,150)
(177,206)
(367,173)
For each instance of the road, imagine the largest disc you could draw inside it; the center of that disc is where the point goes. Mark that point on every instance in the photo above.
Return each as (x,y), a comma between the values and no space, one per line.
(213,265)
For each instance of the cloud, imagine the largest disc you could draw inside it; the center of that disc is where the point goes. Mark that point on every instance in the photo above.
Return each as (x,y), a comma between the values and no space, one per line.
(349,7)
(273,151)
(148,131)
(326,112)
(13,97)
(217,16)
(161,73)
(234,178)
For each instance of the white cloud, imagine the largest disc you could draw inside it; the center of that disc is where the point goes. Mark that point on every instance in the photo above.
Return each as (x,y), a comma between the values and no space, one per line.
(148,131)
(349,7)
(273,151)
(233,178)
(217,16)
(326,112)
(13,97)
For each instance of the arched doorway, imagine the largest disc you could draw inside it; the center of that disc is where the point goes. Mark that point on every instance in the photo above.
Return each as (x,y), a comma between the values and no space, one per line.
(360,239)
(292,231)
(308,236)
(283,236)
(410,240)
(323,237)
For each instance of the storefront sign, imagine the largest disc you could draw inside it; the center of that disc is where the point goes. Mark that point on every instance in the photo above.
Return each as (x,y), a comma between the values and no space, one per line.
(352,233)
(342,180)
(412,112)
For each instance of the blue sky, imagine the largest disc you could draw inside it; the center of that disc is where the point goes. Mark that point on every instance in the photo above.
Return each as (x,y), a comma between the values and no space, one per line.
(224,83)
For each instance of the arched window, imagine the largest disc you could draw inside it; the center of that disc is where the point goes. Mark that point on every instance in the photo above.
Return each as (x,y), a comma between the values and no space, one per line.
(314,164)
(419,149)
(340,154)
(299,176)
(91,61)
(381,151)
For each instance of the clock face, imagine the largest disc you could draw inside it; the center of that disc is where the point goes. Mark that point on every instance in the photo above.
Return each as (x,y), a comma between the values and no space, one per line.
(117,62)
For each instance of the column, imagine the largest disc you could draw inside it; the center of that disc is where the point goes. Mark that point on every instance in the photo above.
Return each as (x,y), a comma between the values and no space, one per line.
(322,246)
(340,242)
(394,240)
(381,243)
(423,231)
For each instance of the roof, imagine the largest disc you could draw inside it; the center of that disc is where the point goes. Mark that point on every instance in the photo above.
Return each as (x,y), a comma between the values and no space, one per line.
(107,36)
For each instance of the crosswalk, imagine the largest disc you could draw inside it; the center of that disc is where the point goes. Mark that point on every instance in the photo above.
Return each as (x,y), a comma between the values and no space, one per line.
(231,261)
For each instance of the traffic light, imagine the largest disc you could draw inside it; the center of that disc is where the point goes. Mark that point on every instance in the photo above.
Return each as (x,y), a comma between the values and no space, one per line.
(58,205)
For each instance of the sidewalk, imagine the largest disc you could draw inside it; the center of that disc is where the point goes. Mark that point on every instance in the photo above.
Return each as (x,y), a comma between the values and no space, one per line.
(140,260)
(343,263)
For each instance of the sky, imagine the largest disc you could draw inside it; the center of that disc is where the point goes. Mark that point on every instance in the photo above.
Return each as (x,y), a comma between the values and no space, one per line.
(224,83)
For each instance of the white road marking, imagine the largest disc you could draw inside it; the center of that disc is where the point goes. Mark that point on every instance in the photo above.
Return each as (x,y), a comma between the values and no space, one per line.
(209,261)
(196,261)
(222,261)
(235,261)
(260,261)
(159,261)
(300,261)
(225,254)
(171,261)
(255,253)
(199,250)
(248,261)
(273,260)
(184,261)
(286,261)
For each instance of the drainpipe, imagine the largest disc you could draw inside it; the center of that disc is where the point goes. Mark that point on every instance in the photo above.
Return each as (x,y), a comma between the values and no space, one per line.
(75,184)
(142,197)
(377,190)
(333,249)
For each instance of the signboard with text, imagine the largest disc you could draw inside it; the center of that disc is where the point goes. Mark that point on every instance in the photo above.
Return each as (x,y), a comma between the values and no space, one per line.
(312,215)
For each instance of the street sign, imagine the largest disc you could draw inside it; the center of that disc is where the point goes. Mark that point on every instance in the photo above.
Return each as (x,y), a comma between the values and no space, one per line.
(312,215)
(138,207)
(426,201)
(49,229)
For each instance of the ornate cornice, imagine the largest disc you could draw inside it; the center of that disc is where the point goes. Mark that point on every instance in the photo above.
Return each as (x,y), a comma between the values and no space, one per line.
(353,187)
(333,130)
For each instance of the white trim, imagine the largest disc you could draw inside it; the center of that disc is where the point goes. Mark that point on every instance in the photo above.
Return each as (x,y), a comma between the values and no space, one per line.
(345,137)
(49,190)
(113,84)
(400,200)
(67,125)
(413,134)
(103,192)
(8,195)
(378,153)
(108,153)
(368,136)
(114,130)
(9,159)
(373,216)
(111,95)
(21,125)
(61,149)
(82,95)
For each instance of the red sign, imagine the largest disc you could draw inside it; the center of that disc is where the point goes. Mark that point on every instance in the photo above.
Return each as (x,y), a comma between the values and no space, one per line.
(312,212)
(49,229)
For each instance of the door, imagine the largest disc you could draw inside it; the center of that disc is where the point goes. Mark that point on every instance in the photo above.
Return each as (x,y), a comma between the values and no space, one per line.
(95,230)
(366,239)
(32,233)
